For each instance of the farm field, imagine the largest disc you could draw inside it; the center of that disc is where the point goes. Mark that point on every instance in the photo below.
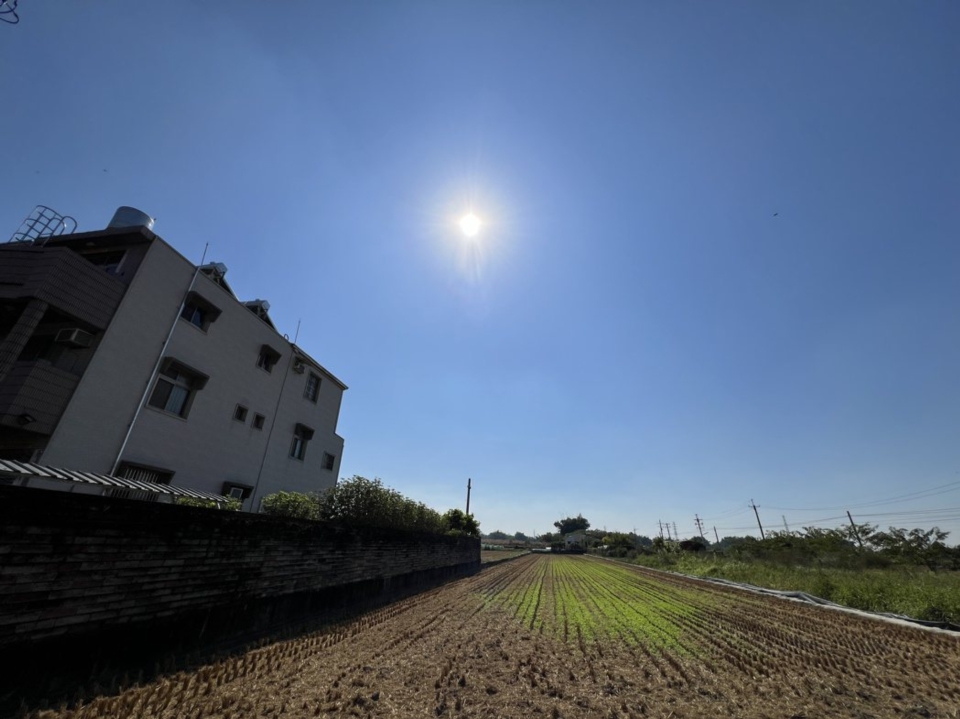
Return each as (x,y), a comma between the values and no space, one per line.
(492,556)
(572,636)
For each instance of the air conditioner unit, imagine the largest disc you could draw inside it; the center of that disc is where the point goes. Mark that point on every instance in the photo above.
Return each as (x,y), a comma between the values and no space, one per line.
(74,337)
(299,366)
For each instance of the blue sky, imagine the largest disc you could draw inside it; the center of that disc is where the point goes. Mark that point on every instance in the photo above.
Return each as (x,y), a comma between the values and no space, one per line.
(719,258)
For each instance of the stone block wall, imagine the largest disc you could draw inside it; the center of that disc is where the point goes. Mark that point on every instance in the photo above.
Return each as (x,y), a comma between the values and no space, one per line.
(78,567)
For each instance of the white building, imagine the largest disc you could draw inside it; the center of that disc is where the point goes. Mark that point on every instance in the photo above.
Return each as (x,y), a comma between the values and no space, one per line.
(120,356)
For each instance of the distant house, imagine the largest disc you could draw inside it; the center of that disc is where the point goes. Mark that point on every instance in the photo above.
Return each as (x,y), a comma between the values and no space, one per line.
(578,540)
(119,356)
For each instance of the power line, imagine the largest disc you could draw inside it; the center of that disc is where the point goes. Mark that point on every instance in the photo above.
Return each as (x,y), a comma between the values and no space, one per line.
(920,494)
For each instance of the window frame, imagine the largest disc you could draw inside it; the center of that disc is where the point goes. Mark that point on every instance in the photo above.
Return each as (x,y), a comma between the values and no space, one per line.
(240,413)
(194,304)
(316,393)
(329,461)
(174,374)
(268,358)
(302,434)
(258,421)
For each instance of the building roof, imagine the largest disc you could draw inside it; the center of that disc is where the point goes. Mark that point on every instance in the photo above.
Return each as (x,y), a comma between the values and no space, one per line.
(10,468)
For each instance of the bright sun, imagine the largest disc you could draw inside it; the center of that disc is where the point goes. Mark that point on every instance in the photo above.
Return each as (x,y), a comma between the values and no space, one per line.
(470,224)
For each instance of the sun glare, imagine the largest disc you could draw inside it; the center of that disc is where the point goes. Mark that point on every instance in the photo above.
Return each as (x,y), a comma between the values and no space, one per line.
(470,224)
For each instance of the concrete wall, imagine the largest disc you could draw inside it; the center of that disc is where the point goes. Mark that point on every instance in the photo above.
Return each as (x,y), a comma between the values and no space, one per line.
(209,447)
(93,426)
(77,567)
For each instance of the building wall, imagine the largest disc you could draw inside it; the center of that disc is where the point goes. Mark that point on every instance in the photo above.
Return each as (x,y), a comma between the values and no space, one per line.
(309,475)
(77,566)
(93,426)
(209,447)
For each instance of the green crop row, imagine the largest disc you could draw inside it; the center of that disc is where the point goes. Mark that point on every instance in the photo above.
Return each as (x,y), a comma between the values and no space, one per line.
(583,599)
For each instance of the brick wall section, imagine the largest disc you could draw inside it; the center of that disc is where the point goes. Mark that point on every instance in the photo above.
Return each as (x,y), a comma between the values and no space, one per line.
(75,564)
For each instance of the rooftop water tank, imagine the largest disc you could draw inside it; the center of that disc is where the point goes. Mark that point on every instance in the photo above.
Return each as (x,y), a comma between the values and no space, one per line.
(131,217)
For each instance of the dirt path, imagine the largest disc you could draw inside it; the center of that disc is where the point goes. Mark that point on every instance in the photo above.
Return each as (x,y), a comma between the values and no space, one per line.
(545,636)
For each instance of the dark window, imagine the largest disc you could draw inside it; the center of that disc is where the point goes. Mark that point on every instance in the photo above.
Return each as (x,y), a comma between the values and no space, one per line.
(198,311)
(236,490)
(258,420)
(312,390)
(194,315)
(175,388)
(328,460)
(240,413)
(267,358)
(301,435)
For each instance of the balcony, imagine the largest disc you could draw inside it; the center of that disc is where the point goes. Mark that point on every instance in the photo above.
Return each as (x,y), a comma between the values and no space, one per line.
(36,389)
(63,279)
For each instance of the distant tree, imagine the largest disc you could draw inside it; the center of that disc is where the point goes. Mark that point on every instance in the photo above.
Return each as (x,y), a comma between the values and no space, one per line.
(916,546)
(572,524)
(457,522)
(697,544)
(498,535)
(618,544)
(644,541)
(521,537)
(550,537)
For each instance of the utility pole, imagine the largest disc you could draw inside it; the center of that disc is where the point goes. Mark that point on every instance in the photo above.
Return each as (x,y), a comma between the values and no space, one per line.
(696,518)
(668,532)
(754,506)
(715,534)
(468,496)
(661,528)
(854,528)
(676,534)
(785,525)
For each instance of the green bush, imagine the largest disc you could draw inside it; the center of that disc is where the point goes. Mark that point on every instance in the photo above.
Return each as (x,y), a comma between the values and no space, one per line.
(232,505)
(291,504)
(367,502)
(458,523)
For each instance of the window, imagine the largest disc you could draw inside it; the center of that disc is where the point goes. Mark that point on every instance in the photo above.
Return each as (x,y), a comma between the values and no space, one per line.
(175,387)
(258,420)
(301,435)
(198,311)
(312,390)
(236,490)
(143,473)
(240,413)
(267,358)
(194,315)
(328,460)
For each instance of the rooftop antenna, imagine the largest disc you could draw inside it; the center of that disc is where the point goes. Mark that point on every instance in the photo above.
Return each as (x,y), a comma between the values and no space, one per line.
(43,222)
(297,334)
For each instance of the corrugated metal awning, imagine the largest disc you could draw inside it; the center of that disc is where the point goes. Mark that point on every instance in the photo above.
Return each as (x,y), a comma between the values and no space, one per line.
(108,481)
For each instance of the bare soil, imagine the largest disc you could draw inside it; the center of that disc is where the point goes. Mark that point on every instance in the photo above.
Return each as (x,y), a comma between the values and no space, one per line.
(561,636)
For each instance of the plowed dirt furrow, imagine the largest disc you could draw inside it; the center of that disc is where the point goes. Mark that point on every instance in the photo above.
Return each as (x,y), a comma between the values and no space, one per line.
(558,636)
